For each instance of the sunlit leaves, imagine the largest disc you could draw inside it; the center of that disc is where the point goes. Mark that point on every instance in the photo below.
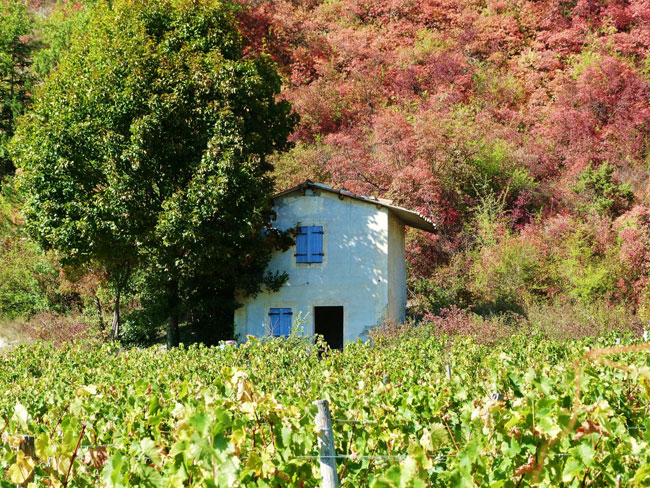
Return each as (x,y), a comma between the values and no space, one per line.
(238,417)
(21,470)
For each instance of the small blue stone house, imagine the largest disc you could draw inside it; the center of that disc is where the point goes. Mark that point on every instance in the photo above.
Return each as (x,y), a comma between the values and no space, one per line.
(347,270)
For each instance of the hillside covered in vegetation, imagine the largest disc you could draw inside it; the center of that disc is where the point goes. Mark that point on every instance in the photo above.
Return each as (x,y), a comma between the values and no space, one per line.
(522,128)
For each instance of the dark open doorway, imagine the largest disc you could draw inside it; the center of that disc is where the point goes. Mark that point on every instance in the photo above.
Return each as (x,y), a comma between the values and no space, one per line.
(328,322)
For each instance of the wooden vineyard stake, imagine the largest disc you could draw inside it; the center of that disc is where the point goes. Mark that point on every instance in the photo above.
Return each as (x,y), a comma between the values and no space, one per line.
(326,444)
(27,446)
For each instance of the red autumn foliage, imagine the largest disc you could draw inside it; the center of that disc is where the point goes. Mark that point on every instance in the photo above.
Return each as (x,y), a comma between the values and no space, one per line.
(438,104)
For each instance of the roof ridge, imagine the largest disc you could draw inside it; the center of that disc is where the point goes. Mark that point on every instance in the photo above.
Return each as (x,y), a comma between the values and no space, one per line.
(404,214)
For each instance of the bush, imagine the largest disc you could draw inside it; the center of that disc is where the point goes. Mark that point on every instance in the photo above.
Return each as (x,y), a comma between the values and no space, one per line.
(565,319)
(61,329)
(560,320)
(584,260)
(506,276)
(451,322)
(28,277)
(23,275)
(140,328)
(447,286)
(600,192)
(507,270)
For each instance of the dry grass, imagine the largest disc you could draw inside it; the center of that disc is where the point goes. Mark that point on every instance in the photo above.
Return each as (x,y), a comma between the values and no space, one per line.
(13,333)
(47,327)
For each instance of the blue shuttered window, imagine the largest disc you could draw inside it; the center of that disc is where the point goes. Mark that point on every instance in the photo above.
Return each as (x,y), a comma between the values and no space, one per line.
(280,321)
(309,244)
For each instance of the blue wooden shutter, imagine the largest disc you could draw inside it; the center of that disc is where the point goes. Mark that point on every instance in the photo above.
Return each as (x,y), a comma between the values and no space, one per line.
(302,255)
(316,244)
(275,314)
(309,244)
(285,321)
(280,321)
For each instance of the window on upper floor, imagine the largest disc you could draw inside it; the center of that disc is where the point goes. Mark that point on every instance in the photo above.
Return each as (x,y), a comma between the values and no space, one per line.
(280,321)
(309,244)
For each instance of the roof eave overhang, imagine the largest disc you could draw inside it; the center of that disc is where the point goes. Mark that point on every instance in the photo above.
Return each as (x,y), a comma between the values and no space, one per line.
(407,217)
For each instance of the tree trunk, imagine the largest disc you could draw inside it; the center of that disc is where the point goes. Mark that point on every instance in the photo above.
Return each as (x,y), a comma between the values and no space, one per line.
(115,329)
(121,277)
(100,316)
(173,332)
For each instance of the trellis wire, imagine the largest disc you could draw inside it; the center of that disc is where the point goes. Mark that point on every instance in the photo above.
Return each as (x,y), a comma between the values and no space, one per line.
(440,457)
(328,456)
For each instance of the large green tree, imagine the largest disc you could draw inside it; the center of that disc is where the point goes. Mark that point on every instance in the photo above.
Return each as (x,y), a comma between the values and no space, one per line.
(16,49)
(146,149)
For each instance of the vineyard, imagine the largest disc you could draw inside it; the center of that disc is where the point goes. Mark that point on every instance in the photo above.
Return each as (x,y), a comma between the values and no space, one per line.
(421,411)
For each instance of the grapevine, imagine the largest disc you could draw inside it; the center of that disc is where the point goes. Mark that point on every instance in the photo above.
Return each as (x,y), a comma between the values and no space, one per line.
(526,412)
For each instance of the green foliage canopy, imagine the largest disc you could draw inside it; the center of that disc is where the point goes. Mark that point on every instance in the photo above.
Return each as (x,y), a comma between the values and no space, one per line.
(15,79)
(27,275)
(146,149)
(603,193)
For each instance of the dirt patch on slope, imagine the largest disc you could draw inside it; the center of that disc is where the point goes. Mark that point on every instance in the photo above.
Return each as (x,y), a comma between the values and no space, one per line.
(12,334)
